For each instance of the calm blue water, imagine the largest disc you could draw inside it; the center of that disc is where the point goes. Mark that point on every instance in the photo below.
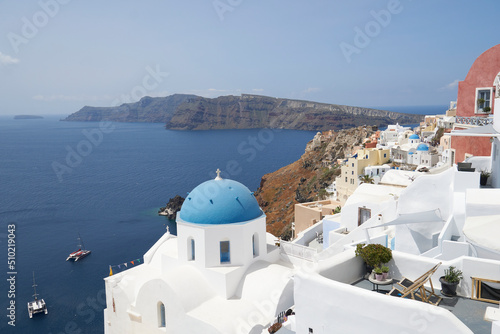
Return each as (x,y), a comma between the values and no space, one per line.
(111,197)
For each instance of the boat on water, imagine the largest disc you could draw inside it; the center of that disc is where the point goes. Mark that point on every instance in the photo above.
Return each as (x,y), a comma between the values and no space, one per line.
(80,253)
(36,305)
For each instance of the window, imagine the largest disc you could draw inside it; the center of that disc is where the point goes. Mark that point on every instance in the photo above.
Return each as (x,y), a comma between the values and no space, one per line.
(191,249)
(385,155)
(483,99)
(225,256)
(363,215)
(346,179)
(353,164)
(255,244)
(161,315)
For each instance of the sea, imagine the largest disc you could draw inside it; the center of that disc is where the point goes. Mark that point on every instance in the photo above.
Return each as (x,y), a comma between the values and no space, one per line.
(104,182)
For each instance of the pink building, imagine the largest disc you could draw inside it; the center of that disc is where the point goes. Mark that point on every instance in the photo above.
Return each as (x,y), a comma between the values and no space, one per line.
(476,96)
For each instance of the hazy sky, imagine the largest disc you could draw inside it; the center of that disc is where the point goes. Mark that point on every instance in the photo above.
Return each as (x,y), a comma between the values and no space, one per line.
(58,55)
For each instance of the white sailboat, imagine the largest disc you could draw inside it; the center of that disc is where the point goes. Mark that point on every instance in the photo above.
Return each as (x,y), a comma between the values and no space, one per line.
(36,305)
(80,253)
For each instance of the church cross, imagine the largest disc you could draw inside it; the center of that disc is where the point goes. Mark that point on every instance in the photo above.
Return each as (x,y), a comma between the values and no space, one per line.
(218,174)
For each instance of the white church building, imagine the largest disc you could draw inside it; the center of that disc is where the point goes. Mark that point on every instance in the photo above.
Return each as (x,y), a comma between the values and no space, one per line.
(222,273)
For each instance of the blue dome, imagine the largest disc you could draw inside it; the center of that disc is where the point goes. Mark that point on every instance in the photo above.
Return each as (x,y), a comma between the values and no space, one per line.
(414,136)
(422,147)
(220,201)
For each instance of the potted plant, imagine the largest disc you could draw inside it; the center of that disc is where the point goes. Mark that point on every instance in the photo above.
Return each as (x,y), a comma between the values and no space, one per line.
(385,271)
(373,255)
(487,110)
(378,274)
(480,101)
(450,280)
(484,177)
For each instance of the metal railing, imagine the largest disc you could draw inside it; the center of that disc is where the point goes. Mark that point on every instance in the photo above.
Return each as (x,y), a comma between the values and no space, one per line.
(479,121)
(299,251)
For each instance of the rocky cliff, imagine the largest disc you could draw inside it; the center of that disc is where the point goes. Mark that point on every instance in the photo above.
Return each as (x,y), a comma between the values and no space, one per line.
(190,112)
(305,179)
(147,109)
(255,111)
(173,206)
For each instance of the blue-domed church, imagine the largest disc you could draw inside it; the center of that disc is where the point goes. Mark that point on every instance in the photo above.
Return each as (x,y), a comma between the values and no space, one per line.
(222,273)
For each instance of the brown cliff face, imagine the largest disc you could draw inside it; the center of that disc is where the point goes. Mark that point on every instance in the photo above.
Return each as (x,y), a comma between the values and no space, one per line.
(305,179)
(255,111)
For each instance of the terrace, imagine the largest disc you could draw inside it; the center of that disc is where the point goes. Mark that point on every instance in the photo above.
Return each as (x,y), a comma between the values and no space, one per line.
(470,312)
(339,299)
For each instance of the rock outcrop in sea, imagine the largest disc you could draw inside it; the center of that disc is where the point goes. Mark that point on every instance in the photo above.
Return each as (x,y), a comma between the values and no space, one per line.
(173,206)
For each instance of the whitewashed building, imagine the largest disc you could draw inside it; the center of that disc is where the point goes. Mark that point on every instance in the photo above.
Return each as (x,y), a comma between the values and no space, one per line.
(394,135)
(221,274)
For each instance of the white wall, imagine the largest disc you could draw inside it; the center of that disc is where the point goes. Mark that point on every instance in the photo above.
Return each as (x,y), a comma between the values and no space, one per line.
(413,266)
(495,162)
(428,192)
(328,306)
(306,236)
(370,196)
(186,231)
(208,238)
(345,267)
(480,163)
(330,224)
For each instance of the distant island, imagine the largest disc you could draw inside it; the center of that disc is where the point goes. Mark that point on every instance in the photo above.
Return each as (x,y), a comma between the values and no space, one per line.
(191,112)
(27,117)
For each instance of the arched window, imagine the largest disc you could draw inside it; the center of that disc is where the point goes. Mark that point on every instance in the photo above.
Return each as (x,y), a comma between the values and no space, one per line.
(191,249)
(161,315)
(225,255)
(255,244)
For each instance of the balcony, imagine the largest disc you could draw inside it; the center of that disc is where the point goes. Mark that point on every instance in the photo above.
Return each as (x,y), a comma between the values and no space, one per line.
(477,121)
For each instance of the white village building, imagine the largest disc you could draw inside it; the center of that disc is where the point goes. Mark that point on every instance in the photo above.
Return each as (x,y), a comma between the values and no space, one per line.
(430,219)
(394,135)
(222,273)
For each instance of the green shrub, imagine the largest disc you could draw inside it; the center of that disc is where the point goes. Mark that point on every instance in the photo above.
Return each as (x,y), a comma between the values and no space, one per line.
(452,275)
(374,254)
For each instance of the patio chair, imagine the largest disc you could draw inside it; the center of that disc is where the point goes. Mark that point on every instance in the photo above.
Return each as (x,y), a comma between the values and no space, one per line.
(416,289)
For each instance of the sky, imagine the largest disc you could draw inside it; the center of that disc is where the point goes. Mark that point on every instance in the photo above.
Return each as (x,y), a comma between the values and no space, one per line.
(57,56)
